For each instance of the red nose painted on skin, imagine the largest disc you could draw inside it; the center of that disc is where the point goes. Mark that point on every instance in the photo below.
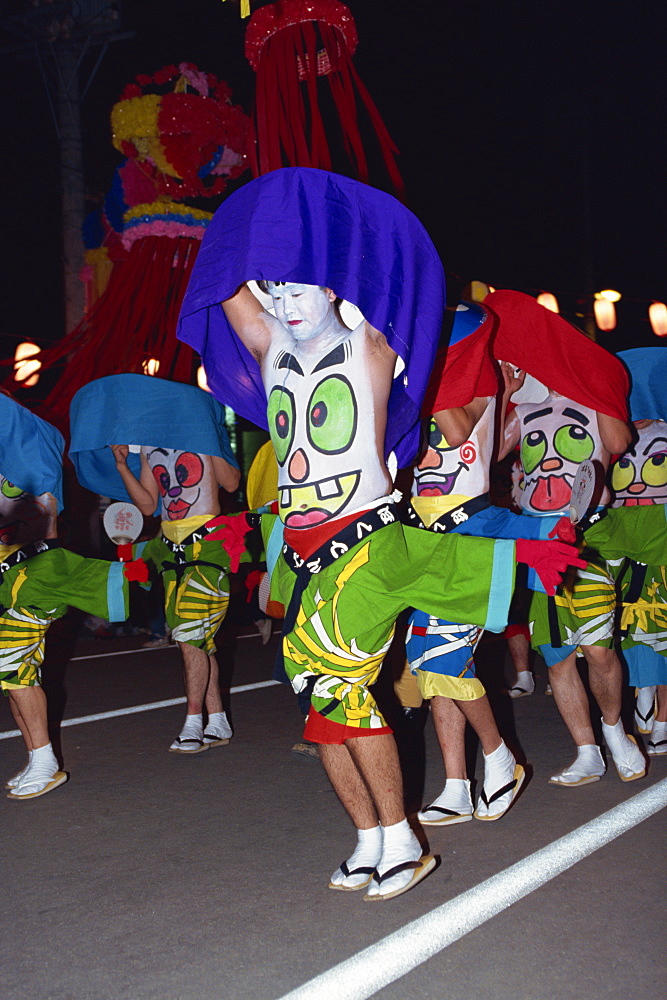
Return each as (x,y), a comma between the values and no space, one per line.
(298,466)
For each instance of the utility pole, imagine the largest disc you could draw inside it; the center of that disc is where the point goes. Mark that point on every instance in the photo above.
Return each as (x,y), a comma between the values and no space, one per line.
(60,37)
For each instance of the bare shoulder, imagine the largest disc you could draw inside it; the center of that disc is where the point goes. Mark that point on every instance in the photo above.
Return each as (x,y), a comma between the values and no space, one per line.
(376,340)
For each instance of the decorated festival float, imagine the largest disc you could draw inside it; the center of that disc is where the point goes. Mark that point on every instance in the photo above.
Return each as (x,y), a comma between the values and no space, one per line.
(183,140)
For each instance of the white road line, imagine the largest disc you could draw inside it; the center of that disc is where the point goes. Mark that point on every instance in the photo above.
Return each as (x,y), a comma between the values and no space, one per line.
(370,970)
(145,649)
(134,709)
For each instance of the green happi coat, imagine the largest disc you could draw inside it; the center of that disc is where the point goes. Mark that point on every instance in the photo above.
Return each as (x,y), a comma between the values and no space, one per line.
(37,591)
(345,621)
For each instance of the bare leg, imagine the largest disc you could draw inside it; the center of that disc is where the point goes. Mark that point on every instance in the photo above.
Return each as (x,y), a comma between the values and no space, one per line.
(366,776)
(42,775)
(570,696)
(196,674)
(28,705)
(524,683)
(454,804)
(606,679)
(657,741)
(213,699)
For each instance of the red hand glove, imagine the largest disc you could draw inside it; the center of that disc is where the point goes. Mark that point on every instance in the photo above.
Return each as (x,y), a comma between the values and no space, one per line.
(565,530)
(252,582)
(232,531)
(549,560)
(136,570)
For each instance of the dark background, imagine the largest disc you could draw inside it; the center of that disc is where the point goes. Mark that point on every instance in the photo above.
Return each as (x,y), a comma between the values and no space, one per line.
(530,134)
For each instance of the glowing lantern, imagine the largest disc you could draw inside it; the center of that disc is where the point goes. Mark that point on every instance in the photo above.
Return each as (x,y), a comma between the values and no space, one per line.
(609,295)
(605,314)
(549,301)
(479,290)
(151,366)
(26,364)
(202,381)
(657,314)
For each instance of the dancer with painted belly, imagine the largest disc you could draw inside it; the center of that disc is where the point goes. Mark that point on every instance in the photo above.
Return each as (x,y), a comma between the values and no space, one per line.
(342,564)
(451,493)
(633,538)
(39,582)
(581,418)
(179,473)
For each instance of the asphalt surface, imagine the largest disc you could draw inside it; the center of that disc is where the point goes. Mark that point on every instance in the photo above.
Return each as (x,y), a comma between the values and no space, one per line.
(154,876)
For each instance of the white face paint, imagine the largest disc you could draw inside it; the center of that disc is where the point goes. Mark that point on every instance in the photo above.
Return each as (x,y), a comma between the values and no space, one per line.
(305,311)
(23,517)
(186,481)
(640,476)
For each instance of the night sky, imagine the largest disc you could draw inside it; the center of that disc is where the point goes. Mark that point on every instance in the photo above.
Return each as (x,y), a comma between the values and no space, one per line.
(516,122)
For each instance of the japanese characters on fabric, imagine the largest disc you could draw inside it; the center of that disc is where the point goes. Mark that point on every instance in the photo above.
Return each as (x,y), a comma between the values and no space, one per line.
(639,477)
(186,481)
(556,435)
(24,518)
(325,417)
(456,474)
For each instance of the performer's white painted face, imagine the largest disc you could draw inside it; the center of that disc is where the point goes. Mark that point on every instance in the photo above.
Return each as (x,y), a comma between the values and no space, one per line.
(555,438)
(305,310)
(186,482)
(640,476)
(23,517)
(437,473)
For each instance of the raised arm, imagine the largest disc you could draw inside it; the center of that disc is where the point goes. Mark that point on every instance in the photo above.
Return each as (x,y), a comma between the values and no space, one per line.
(227,475)
(510,436)
(615,434)
(249,320)
(144,493)
(457,422)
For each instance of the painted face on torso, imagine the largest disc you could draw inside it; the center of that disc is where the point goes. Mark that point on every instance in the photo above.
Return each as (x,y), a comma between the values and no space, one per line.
(186,481)
(556,436)
(23,517)
(463,471)
(323,413)
(640,476)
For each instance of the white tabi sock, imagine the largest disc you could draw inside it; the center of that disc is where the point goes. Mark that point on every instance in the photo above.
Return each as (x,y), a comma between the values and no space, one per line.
(453,805)
(40,771)
(365,855)
(645,709)
(588,767)
(218,725)
(657,741)
(499,768)
(399,845)
(13,782)
(627,756)
(523,685)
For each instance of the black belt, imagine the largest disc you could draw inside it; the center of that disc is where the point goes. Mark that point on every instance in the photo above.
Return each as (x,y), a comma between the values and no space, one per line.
(28,552)
(452,519)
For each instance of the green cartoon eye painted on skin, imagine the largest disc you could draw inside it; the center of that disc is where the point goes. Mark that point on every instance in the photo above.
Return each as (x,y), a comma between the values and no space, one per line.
(332,416)
(622,474)
(533,450)
(573,443)
(280,414)
(11,491)
(654,469)
(436,439)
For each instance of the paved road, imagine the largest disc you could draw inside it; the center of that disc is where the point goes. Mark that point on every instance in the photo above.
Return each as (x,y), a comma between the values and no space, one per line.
(151,876)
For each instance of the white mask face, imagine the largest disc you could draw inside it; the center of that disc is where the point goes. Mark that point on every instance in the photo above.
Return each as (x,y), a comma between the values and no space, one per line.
(186,482)
(305,311)
(23,517)
(640,476)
